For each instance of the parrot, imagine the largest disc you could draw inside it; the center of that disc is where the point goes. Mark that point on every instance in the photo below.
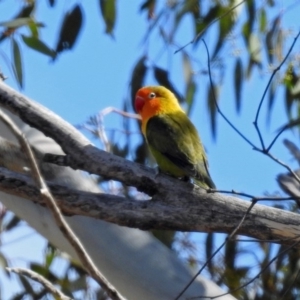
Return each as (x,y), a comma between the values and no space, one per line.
(172,138)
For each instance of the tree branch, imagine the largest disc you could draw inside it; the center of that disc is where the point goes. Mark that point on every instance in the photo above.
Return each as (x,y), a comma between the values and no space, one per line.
(174,205)
(183,209)
(42,280)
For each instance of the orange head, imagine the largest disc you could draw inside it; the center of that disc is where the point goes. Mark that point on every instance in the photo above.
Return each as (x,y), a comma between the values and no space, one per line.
(154,100)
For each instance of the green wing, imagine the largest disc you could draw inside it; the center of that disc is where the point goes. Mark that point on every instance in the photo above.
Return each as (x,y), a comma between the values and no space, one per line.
(176,138)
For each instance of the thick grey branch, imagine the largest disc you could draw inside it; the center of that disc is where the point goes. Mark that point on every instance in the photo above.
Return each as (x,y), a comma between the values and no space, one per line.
(81,154)
(174,205)
(188,210)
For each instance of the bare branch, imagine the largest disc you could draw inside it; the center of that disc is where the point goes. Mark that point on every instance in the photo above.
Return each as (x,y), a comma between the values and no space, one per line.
(42,280)
(182,208)
(60,221)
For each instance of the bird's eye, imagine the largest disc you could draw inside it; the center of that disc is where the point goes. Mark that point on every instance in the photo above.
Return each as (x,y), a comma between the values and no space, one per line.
(152,95)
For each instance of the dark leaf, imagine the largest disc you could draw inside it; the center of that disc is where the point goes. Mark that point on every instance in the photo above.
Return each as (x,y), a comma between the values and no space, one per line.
(70,29)
(187,7)
(108,11)
(211,103)
(36,44)
(294,150)
(225,26)
(202,23)
(119,151)
(141,153)
(25,11)
(250,4)
(230,253)
(14,221)
(238,81)
(51,2)
(137,78)
(22,18)
(291,124)
(271,98)
(26,284)
(271,38)
(20,296)
(162,77)
(292,89)
(209,252)
(270,47)
(17,63)
(149,5)
(44,271)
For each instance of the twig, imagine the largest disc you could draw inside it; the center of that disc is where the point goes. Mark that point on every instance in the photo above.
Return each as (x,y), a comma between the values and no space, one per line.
(282,164)
(60,221)
(256,198)
(291,285)
(217,105)
(110,109)
(264,95)
(254,278)
(42,280)
(217,251)
(208,25)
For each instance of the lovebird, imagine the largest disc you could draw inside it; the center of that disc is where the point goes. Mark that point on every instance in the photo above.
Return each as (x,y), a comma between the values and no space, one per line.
(172,138)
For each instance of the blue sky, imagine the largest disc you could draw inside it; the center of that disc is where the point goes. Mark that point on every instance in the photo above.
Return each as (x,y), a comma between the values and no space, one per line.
(96,74)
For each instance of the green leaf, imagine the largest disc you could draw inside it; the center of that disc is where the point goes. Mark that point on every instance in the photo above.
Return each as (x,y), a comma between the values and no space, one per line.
(36,44)
(34,27)
(262,20)
(70,29)
(17,63)
(189,96)
(137,77)
(162,77)
(108,11)
(238,81)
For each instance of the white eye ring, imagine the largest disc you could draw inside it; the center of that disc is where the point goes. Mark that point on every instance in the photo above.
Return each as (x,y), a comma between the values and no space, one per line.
(152,95)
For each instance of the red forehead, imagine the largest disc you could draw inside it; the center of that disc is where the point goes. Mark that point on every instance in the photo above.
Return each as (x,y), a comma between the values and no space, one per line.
(143,92)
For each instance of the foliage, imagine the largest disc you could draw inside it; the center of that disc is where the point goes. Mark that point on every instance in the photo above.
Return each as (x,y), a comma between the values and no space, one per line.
(249,39)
